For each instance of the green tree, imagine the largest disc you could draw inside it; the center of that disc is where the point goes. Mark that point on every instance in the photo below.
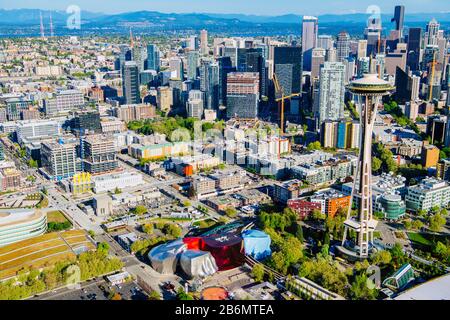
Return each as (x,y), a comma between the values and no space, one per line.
(398,256)
(32,163)
(376,164)
(148,228)
(258,272)
(172,230)
(421,213)
(182,295)
(314,146)
(318,215)
(154,295)
(103,248)
(360,290)
(140,210)
(436,222)
(186,203)
(325,273)
(407,224)
(299,233)
(382,257)
(417,224)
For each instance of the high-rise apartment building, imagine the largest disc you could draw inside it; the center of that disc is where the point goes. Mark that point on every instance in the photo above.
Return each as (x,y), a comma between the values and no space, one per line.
(331,91)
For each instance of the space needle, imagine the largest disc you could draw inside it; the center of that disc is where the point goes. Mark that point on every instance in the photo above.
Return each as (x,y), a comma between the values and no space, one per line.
(368,92)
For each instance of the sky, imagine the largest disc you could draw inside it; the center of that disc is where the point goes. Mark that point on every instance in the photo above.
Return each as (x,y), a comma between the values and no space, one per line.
(258,7)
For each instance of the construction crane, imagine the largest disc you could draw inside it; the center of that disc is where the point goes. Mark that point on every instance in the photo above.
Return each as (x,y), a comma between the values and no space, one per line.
(279,90)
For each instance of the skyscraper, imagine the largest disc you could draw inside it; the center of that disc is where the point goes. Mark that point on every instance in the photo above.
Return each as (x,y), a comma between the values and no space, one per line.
(153,57)
(124,55)
(325,41)
(414,45)
(204,42)
(432,31)
(138,54)
(288,68)
(362,49)
(209,83)
(318,58)
(164,98)
(242,94)
(343,46)
(310,29)
(331,91)
(225,67)
(193,43)
(192,65)
(399,15)
(130,83)
(176,68)
(368,92)
(194,105)
(252,60)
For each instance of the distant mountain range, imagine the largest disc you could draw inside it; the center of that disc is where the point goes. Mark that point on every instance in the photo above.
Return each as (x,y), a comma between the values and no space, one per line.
(151,21)
(32,16)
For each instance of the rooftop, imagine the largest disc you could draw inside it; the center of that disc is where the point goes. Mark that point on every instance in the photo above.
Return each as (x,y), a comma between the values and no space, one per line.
(435,289)
(10,217)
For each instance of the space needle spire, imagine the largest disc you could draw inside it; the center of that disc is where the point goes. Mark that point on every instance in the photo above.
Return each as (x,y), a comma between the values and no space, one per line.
(368,92)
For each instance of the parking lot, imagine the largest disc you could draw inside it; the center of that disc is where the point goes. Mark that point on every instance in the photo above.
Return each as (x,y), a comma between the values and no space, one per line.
(101,291)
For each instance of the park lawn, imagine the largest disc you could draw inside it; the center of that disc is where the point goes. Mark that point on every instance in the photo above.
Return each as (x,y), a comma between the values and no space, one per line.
(56,216)
(209,223)
(170,220)
(418,238)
